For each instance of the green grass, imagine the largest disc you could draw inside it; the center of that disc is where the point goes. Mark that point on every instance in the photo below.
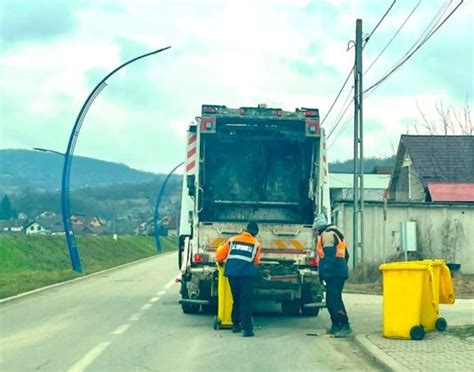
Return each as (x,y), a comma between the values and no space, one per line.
(462,332)
(30,262)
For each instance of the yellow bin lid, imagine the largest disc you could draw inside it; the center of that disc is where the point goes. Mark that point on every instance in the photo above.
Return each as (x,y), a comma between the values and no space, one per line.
(408,265)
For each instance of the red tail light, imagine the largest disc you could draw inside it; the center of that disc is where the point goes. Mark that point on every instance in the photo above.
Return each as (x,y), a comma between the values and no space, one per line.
(197,258)
(314,261)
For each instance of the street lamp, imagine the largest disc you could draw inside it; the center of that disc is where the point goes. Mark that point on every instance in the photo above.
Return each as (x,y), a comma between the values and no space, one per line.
(157,207)
(48,150)
(65,198)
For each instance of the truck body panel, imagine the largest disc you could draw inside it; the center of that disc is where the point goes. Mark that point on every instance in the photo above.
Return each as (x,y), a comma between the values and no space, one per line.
(262,164)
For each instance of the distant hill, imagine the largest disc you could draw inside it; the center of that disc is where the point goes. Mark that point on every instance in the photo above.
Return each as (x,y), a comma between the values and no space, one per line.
(43,171)
(347,166)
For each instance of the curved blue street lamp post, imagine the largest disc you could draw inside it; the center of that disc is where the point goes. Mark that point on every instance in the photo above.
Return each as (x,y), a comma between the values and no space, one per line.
(65,197)
(157,208)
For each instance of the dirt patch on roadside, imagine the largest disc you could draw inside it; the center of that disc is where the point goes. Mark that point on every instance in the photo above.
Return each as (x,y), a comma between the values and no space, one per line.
(463,332)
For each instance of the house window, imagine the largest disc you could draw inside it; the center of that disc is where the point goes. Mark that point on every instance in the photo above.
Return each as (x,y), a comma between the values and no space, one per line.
(32,228)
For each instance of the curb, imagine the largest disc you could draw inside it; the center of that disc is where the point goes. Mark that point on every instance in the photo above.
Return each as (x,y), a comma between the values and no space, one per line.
(72,281)
(378,356)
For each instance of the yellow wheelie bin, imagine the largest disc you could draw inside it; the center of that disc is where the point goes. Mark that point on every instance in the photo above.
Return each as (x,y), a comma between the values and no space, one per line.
(412,293)
(224,301)
(403,284)
(447,295)
(438,289)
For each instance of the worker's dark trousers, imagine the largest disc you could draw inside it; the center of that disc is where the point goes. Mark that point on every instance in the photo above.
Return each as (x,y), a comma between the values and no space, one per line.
(242,294)
(334,302)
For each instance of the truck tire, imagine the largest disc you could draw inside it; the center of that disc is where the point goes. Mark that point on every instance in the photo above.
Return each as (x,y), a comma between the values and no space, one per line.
(309,311)
(291,307)
(211,308)
(187,308)
(309,296)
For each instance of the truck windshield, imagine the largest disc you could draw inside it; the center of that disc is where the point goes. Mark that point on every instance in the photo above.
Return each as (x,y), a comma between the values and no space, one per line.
(251,177)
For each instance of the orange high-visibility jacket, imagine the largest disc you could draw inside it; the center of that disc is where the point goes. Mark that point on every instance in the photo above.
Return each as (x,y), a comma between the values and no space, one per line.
(223,251)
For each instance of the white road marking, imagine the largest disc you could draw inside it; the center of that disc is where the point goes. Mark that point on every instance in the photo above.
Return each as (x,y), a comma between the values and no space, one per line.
(154,299)
(121,329)
(135,317)
(170,284)
(87,359)
(146,307)
(161,293)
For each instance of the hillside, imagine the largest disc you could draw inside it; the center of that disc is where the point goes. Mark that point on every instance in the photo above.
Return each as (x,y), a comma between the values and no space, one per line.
(40,170)
(347,166)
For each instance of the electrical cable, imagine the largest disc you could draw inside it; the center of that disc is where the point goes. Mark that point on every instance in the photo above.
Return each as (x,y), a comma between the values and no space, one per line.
(352,70)
(338,95)
(378,24)
(393,37)
(404,60)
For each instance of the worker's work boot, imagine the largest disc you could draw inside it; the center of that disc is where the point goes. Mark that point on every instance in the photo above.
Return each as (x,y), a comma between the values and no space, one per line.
(247,333)
(236,328)
(344,331)
(333,329)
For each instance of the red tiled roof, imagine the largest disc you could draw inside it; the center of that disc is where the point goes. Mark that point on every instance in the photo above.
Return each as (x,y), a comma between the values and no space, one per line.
(451,192)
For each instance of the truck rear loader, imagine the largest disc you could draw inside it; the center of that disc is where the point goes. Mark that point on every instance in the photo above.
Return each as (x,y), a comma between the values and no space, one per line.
(262,164)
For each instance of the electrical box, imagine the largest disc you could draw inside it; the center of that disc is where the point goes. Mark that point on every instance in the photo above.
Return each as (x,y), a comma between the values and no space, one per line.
(408,236)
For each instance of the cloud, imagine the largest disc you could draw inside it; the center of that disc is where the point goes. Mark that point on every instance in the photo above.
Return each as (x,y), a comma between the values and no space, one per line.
(285,53)
(35,20)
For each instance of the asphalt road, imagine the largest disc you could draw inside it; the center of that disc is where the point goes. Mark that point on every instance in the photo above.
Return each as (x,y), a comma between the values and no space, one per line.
(130,320)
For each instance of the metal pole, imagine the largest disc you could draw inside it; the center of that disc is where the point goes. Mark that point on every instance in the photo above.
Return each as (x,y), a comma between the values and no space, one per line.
(361,136)
(65,197)
(157,207)
(357,93)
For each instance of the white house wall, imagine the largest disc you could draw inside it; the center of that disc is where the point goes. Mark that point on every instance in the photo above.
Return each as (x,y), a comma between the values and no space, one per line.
(431,222)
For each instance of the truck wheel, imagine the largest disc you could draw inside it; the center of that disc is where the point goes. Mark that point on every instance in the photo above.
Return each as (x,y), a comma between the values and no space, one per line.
(309,295)
(190,308)
(290,307)
(211,308)
(187,308)
(309,311)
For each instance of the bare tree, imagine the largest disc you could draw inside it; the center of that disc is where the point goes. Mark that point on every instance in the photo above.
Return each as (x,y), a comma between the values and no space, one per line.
(449,120)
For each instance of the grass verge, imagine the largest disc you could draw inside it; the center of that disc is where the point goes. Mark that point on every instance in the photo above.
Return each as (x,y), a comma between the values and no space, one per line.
(30,262)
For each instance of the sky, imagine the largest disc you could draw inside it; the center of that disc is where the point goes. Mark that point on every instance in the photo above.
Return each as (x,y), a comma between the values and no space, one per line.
(286,53)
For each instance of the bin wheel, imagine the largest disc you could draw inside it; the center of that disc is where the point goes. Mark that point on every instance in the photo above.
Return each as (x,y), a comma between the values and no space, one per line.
(441,324)
(217,324)
(417,333)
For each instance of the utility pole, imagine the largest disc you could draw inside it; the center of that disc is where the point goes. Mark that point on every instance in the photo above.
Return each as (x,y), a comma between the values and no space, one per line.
(358,188)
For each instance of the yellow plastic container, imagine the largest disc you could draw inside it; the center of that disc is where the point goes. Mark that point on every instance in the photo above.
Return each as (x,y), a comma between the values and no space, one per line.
(446,289)
(412,293)
(403,284)
(224,301)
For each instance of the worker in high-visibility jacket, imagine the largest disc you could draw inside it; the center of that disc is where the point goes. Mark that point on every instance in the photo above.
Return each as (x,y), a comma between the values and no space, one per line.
(241,254)
(333,269)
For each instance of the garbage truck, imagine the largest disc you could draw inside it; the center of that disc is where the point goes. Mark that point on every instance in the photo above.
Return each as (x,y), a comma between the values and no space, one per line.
(262,164)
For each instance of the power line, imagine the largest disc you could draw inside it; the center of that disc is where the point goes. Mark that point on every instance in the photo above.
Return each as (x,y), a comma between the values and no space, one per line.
(404,60)
(338,95)
(341,117)
(378,24)
(343,128)
(342,111)
(352,69)
(393,37)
